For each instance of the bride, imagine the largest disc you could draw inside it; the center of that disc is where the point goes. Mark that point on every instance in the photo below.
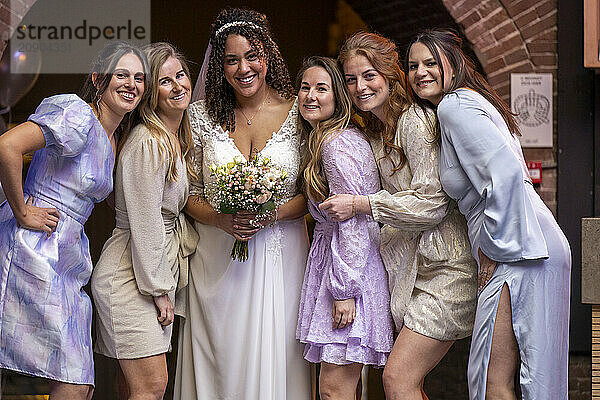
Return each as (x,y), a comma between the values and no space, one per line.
(238,341)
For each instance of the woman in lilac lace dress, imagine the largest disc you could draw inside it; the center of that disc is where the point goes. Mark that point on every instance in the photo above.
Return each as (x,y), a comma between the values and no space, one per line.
(345,317)
(45,316)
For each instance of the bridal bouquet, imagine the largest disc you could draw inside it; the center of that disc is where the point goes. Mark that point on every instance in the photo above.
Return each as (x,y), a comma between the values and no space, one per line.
(255,185)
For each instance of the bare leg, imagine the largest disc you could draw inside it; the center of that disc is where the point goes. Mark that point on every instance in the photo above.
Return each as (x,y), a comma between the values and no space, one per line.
(146,377)
(338,382)
(411,359)
(504,357)
(122,389)
(70,391)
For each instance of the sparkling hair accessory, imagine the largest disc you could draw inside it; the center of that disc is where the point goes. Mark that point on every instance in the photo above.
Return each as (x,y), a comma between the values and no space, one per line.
(236,23)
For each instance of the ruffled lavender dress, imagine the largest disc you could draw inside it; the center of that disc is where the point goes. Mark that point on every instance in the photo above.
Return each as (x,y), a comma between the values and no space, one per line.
(45,316)
(343,263)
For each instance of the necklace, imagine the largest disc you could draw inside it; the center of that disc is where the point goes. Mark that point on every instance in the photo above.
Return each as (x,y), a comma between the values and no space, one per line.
(249,120)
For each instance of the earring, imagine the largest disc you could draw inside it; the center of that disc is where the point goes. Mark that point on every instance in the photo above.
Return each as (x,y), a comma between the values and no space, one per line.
(98,98)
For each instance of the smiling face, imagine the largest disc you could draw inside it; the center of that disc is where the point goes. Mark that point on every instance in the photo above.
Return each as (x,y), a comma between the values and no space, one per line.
(245,69)
(173,88)
(315,97)
(126,86)
(425,75)
(368,89)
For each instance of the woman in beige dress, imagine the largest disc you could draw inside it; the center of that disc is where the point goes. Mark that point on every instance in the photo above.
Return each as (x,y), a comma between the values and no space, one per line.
(144,263)
(424,242)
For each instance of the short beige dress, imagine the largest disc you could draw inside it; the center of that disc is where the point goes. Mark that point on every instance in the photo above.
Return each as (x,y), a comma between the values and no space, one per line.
(147,253)
(424,241)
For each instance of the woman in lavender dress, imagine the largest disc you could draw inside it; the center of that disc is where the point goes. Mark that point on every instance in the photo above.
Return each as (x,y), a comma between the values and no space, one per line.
(344,317)
(424,242)
(45,316)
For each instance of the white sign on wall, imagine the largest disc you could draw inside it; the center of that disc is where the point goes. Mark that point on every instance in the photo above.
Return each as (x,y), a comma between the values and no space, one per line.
(531,99)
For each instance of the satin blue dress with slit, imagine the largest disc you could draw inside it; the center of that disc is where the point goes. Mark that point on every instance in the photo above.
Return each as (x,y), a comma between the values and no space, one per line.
(483,169)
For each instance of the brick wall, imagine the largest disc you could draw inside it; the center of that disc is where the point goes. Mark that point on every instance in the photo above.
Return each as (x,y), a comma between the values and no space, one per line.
(515,36)
(504,35)
(11,11)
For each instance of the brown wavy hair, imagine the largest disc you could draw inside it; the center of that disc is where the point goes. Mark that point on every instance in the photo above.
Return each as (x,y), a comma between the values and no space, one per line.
(158,54)
(312,179)
(382,54)
(254,26)
(103,67)
(449,44)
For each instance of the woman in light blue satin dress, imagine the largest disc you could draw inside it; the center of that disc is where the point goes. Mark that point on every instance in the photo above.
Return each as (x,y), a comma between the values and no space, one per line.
(522,317)
(45,316)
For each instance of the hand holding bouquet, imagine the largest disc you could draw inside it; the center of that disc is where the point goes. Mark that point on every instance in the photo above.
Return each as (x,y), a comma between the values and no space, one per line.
(256,186)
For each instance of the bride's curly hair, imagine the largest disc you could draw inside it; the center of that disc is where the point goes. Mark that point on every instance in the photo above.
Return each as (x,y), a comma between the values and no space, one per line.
(254,26)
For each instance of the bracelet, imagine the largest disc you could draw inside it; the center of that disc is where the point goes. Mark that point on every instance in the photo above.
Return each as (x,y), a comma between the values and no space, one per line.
(353,205)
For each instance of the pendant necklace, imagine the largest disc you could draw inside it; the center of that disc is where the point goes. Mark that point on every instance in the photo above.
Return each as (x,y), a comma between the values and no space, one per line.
(249,120)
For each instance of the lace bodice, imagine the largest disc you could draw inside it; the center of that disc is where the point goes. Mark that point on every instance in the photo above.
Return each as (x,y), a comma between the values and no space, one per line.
(213,145)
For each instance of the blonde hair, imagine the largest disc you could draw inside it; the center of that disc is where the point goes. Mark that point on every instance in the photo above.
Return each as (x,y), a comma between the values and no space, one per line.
(382,54)
(158,54)
(313,181)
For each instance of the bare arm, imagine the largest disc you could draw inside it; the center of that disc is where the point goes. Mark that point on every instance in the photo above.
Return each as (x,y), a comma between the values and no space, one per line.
(24,138)
(295,208)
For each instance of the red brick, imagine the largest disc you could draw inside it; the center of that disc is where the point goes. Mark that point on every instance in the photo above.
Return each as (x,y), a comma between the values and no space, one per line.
(507,3)
(484,41)
(549,34)
(538,154)
(542,47)
(19,9)
(547,195)
(495,19)
(545,68)
(503,90)
(522,68)
(525,18)
(4,27)
(546,8)
(465,6)
(498,79)
(546,59)
(489,7)
(476,30)
(469,19)
(5,15)
(537,27)
(523,5)
(504,47)
(494,66)
(516,56)
(504,30)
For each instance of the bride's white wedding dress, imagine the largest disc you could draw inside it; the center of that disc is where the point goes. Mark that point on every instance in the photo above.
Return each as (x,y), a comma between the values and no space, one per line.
(239,339)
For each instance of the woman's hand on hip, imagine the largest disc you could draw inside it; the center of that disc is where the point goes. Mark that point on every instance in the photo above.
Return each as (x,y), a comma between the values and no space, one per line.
(166,311)
(343,313)
(38,219)
(486,269)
